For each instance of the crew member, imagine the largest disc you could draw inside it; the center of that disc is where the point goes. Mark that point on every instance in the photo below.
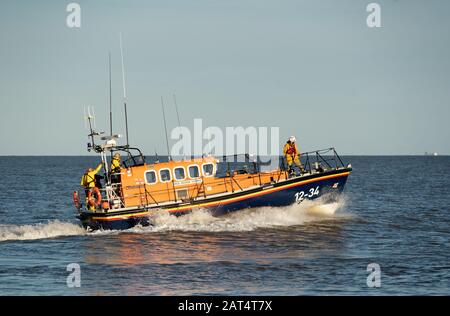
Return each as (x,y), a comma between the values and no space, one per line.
(115,163)
(292,155)
(89,178)
(115,168)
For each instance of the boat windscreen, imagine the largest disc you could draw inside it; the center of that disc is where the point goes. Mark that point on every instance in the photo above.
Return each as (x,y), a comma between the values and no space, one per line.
(133,161)
(242,164)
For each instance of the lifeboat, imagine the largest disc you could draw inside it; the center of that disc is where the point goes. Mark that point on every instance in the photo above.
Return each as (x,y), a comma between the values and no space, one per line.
(142,189)
(134,192)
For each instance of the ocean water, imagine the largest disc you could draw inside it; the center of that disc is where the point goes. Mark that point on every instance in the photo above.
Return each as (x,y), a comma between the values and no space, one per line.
(395,212)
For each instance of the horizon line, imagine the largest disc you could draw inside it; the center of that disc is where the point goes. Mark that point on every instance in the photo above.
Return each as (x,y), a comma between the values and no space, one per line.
(361,155)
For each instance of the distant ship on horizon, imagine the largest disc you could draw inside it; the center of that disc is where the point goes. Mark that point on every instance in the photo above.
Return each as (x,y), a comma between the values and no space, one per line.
(431,154)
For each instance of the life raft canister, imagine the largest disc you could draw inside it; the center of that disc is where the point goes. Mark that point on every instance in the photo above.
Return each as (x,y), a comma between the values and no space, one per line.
(76,200)
(98,197)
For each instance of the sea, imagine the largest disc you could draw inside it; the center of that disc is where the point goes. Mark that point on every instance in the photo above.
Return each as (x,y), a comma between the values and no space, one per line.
(389,234)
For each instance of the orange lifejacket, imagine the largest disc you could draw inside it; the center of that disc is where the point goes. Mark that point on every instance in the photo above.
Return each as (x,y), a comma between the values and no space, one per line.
(291,150)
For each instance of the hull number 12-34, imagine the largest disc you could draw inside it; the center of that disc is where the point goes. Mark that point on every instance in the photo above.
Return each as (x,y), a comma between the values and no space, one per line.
(300,196)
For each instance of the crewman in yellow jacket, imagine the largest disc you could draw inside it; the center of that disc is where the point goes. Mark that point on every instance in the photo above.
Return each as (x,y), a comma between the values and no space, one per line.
(88,179)
(115,163)
(292,154)
(115,168)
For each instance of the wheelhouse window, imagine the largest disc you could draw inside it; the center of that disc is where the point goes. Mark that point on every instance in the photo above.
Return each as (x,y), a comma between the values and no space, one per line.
(208,169)
(150,177)
(194,172)
(179,173)
(164,175)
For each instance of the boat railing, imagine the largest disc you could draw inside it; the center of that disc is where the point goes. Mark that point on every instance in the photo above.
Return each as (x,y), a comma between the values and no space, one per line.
(323,159)
(229,184)
(318,160)
(111,193)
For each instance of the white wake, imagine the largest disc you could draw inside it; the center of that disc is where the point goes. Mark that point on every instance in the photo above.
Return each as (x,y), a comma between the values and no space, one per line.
(198,220)
(244,220)
(51,229)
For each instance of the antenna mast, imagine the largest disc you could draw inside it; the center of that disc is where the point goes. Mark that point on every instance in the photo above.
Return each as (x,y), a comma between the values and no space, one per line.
(178,117)
(124,91)
(90,117)
(176,109)
(110,99)
(165,128)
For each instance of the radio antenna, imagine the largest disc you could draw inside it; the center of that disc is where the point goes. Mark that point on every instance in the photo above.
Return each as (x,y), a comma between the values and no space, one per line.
(156,156)
(178,117)
(92,114)
(110,98)
(176,109)
(91,121)
(165,128)
(124,91)
(85,117)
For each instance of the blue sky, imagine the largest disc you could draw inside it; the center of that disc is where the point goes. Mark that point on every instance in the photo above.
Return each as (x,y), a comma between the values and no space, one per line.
(313,68)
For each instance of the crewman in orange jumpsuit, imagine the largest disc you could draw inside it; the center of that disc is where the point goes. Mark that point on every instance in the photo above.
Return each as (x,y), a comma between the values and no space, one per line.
(292,155)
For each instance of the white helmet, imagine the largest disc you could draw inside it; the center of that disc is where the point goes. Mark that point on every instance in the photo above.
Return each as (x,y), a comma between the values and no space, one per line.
(292,139)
